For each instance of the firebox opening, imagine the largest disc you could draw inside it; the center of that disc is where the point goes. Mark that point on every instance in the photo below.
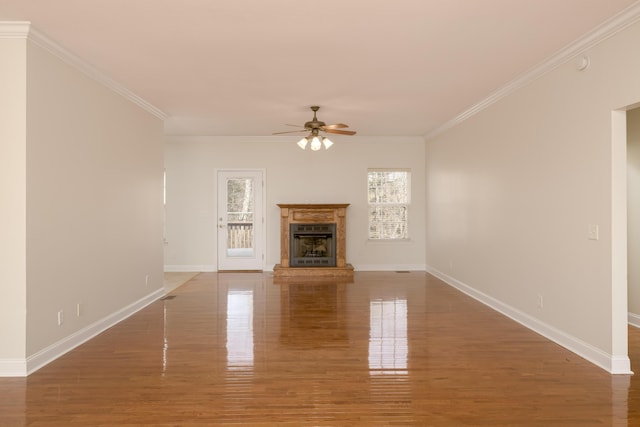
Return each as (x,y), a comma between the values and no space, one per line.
(312,245)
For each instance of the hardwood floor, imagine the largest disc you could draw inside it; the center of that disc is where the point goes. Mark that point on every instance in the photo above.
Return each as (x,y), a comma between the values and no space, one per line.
(388,349)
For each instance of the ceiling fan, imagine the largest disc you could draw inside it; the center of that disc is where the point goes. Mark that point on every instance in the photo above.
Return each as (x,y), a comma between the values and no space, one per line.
(314,127)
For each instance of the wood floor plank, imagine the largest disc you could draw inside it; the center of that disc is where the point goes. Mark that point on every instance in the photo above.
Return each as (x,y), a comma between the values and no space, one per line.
(388,349)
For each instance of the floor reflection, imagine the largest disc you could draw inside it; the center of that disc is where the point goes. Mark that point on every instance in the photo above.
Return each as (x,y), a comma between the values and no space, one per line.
(313,315)
(240,329)
(388,344)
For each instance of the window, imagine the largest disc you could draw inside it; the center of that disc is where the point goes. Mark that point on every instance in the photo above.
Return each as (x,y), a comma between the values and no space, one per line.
(389,191)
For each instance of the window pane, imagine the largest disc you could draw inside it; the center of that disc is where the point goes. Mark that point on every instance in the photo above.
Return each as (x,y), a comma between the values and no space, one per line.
(388,197)
(240,200)
(240,217)
(388,187)
(388,222)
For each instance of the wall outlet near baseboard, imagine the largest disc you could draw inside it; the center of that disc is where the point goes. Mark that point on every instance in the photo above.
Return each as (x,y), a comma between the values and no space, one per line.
(60,317)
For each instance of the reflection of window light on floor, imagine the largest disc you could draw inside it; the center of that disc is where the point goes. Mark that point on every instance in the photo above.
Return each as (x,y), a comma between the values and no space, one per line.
(240,329)
(165,344)
(388,345)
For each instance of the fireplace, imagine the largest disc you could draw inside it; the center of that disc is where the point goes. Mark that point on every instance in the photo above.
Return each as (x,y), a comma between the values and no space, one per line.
(313,241)
(312,245)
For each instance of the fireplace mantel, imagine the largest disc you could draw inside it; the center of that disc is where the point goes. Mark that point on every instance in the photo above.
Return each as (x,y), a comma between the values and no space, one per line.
(313,214)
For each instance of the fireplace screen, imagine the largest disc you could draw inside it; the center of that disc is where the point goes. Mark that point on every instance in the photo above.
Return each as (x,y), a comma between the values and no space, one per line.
(313,245)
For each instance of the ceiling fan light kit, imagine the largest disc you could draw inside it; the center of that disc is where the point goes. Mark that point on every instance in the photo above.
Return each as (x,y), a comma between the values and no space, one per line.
(316,142)
(316,126)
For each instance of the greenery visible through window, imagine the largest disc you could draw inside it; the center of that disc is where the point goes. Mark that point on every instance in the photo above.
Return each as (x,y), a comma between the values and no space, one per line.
(389,199)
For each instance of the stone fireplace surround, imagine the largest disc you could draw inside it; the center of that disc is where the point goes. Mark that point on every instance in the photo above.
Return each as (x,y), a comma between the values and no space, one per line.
(313,214)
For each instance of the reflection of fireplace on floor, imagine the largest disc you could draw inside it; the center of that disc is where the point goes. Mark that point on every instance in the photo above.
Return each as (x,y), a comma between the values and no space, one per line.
(313,313)
(313,245)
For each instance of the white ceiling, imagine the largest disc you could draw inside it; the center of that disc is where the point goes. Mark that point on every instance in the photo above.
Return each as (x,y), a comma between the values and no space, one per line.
(248,67)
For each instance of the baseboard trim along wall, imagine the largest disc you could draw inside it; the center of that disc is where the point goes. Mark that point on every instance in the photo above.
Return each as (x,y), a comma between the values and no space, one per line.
(389,267)
(608,362)
(356,267)
(634,319)
(25,367)
(190,268)
(13,368)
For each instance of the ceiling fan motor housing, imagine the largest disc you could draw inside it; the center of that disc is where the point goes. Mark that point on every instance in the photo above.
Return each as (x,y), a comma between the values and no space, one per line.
(314,124)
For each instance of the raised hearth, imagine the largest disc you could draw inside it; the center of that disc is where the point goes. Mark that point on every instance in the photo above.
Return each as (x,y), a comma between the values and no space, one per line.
(313,241)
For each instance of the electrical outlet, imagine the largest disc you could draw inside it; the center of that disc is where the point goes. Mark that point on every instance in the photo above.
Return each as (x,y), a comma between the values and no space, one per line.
(60,317)
(146,280)
(594,232)
(79,310)
(540,302)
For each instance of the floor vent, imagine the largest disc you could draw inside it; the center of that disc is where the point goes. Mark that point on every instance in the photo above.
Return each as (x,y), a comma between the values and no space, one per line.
(402,271)
(168,297)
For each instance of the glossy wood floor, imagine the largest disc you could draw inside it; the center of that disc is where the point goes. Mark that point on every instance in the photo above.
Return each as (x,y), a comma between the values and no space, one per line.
(389,349)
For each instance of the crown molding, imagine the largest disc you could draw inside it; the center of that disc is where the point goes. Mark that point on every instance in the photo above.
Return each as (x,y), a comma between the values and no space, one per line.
(14,29)
(24,29)
(609,28)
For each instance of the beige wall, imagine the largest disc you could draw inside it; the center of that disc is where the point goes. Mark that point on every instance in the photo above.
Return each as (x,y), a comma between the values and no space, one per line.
(338,175)
(512,191)
(81,198)
(633,189)
(94,200)
(12,199)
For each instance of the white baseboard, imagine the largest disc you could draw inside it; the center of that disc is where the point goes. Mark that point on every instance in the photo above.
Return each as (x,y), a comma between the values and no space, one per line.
(22,367)
(389,267)
(190,268)
(634,319)
(612,364)
(13,368)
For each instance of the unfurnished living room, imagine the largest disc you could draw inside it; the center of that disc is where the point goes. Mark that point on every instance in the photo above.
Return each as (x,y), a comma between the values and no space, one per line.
(337,213)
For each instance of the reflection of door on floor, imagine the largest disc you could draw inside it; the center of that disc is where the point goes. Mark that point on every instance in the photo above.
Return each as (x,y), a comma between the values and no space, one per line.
(240,220)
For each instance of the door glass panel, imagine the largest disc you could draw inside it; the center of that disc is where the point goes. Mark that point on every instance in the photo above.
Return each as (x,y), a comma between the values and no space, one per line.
(240,217)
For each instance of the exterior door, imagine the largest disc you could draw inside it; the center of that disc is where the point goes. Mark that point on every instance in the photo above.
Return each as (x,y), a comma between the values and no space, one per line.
(240,220)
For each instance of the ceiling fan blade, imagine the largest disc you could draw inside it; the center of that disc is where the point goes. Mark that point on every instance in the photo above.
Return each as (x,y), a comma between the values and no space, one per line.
(295,126)
(341,132)
(290,131)
(335,126)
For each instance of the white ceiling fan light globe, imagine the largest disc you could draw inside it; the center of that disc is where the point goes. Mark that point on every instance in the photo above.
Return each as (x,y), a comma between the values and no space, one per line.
(327,143)
(303,143)
(316,144)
